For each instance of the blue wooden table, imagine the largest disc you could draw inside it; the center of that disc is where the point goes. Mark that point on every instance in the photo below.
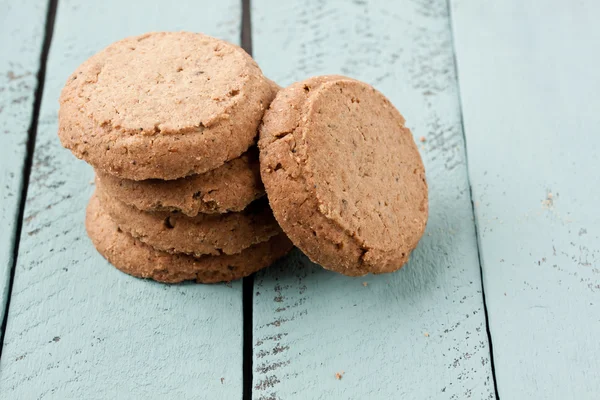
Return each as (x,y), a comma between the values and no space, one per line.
(500,300)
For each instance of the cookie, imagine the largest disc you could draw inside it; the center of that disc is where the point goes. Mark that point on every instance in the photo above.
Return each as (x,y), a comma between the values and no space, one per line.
(274,87)
(213,234)
(138,259)
(231,187)
(343,175)
(163,105)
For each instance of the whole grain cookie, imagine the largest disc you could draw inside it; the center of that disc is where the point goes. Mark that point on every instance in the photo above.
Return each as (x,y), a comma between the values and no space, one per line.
(138,259)
(230,187)
(212,234)
(343,175)
(163,105)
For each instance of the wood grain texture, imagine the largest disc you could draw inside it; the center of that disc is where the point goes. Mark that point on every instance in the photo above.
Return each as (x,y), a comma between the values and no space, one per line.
(77,327)
(21,37)
(418,333)
(530,91)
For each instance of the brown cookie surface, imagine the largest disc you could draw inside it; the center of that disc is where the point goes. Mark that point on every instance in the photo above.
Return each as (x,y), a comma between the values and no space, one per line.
(163,105)
(230,187)
(138,259)
(343,175)
(212,234)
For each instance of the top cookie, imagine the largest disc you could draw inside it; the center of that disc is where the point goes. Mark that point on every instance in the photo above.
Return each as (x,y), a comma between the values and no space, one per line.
(163,105)
(343,175)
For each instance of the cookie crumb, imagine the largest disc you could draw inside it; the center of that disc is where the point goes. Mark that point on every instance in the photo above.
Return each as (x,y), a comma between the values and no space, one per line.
(365,284)
(339,375)
(548,202)
(426,334)
(422,139)
(222,380)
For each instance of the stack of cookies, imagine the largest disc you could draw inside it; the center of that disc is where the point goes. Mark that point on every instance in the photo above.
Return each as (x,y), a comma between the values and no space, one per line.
(169,122)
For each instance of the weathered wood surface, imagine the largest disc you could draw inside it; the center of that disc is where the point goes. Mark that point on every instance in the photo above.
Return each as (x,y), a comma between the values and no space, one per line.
(418,333)
(77,327)
(530,87)
(21,37)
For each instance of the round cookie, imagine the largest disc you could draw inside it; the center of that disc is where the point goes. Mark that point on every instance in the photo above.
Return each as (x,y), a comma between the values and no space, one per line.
(274,86)
(230,187)
(138,259)
(163,105)
(213,234)
(343,175)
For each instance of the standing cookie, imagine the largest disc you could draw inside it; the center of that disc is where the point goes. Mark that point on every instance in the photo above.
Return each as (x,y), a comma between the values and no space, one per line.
(163,105)
(343,175)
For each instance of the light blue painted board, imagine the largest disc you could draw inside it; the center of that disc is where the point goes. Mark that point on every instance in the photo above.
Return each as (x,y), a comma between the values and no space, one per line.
(310,324)
(77,327)
(530,88)
(21,37)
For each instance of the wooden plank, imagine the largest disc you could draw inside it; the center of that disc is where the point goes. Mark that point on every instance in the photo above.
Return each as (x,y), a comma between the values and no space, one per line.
(418,333)
(530,90)
(78,328)
(21,37)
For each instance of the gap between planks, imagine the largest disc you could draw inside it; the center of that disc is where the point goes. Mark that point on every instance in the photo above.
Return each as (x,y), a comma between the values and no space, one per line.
(477,238)
(30,148)
(248,282)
